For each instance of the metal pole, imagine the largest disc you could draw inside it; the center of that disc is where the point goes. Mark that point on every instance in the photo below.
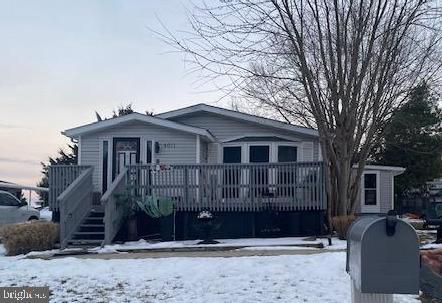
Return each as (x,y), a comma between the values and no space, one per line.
(358,297)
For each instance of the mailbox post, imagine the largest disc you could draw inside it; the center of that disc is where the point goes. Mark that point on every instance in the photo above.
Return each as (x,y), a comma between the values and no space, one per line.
(382,259)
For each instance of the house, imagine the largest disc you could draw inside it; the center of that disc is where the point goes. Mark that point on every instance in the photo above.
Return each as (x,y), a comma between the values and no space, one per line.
(261,177)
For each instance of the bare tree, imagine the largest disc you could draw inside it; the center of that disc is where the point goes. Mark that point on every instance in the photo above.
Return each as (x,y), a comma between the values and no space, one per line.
(341,66)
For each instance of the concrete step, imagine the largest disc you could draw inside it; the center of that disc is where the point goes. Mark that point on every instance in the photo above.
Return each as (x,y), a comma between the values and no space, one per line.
(89,243)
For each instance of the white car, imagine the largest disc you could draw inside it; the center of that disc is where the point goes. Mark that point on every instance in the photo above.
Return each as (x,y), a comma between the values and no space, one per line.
(12,210)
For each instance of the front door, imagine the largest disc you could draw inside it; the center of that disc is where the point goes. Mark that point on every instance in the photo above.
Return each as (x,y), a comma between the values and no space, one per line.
(126,151)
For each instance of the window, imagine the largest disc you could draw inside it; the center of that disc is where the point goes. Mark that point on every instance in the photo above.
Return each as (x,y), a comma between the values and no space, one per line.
(287,153)
(105,158)
(232,154)
(259,154)
(370,189)
(8,200)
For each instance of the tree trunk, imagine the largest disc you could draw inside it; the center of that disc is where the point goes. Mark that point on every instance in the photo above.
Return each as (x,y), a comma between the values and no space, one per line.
(342,180)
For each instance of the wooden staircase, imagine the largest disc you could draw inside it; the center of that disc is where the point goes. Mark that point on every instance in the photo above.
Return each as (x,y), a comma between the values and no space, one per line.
(90,233)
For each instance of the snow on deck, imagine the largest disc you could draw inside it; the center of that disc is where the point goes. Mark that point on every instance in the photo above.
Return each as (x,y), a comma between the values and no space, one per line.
(301,278)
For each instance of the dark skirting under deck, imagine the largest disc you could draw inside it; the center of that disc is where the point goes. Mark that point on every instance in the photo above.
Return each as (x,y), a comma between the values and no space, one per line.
(264,224)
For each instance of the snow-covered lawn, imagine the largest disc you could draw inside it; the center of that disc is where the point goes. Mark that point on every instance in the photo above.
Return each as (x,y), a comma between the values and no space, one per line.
(301,278)
(255,243)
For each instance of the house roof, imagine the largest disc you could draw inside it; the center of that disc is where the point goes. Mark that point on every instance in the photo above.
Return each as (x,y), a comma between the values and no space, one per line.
(100,125)
(238,115)
(396,170)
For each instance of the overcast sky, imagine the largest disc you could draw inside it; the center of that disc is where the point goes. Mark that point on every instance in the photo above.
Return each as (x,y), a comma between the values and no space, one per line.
(61,61)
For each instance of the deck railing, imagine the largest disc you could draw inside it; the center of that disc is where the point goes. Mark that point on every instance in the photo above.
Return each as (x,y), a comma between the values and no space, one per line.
(113,212)
(227,187)
(75,203)
(59,178)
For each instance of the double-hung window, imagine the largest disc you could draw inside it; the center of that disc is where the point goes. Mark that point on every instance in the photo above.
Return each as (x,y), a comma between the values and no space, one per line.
(370,189)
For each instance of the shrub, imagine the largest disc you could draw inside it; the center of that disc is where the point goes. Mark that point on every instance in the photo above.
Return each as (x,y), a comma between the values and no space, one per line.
(30,236)
(341,224)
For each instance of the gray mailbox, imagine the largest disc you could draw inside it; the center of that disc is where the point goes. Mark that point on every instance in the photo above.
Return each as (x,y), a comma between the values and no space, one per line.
(383,256)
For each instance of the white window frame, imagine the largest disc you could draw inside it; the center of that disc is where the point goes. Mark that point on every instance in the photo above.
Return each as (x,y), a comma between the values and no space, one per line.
(371,208)
(273,150)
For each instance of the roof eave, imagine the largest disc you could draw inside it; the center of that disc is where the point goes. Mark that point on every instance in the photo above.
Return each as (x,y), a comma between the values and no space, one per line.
(90,128)
(241,116)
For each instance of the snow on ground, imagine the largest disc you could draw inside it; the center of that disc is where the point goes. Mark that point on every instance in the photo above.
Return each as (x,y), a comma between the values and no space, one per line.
(2,250)
(432,246)
(336,244)
(46,214)
(301,278)
(277,248)
(253,242)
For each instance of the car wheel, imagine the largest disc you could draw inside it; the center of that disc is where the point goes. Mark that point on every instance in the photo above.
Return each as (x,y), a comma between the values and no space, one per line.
(32,218)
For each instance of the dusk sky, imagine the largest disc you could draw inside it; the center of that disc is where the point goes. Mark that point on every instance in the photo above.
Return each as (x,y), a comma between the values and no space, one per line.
(63,60)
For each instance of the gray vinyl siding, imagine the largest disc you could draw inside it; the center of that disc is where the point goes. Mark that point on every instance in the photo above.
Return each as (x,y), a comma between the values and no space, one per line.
(316,150)
(203,151)
(308,151)
(184,151)
(386,183)
(212,153)
(225,128)
(90,155)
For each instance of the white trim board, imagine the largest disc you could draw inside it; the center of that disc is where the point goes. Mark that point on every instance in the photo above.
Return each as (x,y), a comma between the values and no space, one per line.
(396,170)
(97,126)
(234,139)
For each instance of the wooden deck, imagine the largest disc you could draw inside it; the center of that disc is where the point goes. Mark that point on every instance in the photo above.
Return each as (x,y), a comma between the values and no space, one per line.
(232,187)
(293,186)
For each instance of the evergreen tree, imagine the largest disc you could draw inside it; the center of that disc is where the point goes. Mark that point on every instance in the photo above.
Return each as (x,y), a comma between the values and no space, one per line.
(69,157)
(413,140)
(123,110)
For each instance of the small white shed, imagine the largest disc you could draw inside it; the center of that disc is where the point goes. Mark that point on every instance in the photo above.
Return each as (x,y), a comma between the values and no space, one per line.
(376,193)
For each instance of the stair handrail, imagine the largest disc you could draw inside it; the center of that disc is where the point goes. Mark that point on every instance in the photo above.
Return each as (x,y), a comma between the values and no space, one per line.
(113,216)
(75,203)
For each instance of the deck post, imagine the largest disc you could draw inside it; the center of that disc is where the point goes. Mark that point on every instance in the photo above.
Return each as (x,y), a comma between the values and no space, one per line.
(186,186)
